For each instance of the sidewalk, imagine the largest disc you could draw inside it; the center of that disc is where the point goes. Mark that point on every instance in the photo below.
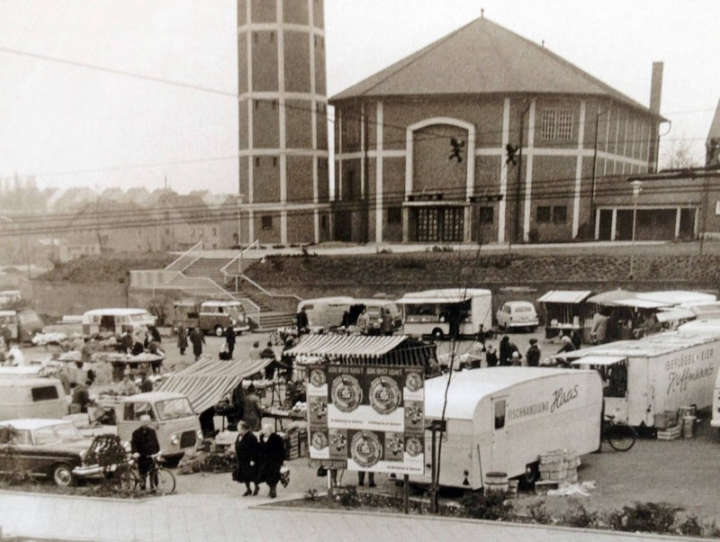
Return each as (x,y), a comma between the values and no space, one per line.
(194,518)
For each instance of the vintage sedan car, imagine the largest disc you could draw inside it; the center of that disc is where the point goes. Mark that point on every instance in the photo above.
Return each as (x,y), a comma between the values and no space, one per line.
(47,448)
(517,314)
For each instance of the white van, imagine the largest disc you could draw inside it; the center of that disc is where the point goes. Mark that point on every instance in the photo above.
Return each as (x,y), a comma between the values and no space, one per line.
(431,312)
(114,321)
(501,419)
(31,398)
(654,374)
(325,312)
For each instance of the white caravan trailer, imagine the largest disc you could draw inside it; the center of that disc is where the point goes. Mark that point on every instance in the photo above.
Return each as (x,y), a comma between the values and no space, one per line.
(501,419)
(430,312)
(654,374)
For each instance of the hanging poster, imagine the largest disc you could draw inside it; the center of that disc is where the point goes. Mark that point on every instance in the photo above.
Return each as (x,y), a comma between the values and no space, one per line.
(367,417)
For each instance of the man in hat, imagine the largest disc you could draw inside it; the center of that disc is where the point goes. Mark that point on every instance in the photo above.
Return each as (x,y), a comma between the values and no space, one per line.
(533,354)
(145,444)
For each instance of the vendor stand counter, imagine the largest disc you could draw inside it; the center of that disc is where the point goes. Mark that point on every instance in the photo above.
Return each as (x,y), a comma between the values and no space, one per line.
(563,311)
(280,415)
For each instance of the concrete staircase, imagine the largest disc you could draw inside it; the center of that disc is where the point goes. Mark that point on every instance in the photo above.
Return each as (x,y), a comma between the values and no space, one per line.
(207,267)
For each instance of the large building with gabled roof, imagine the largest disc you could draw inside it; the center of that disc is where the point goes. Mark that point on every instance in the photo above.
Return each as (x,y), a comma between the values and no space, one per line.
(484,136)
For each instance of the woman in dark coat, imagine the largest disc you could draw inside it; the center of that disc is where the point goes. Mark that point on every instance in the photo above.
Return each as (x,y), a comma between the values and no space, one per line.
(272,456)
(246,452)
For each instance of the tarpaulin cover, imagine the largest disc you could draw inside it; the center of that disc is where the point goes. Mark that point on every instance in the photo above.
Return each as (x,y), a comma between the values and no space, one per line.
(393,349)
(206,382)
(565,296)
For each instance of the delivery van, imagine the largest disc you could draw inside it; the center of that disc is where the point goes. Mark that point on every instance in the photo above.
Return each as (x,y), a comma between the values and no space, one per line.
(501,419)
(325,312)
(31,398)
(114,321)
(655,374)
(176,424)
(23,325)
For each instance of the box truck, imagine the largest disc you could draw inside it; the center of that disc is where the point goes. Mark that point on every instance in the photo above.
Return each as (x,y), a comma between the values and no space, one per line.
(655,374)
(501,419)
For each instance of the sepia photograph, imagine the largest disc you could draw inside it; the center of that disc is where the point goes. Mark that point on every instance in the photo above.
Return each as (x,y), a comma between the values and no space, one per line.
(350,270)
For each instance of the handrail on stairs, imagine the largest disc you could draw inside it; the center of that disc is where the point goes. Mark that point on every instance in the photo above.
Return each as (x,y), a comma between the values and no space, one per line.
(238,258)
(171,266)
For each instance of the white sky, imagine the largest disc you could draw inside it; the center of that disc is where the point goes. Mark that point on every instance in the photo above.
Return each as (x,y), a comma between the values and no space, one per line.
(57,119)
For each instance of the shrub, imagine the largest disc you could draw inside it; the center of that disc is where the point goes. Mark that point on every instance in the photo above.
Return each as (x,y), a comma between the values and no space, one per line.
(539,513)
(691,527)
(348,497)
(646,517)
(579,516)
(490,506)
(409,263)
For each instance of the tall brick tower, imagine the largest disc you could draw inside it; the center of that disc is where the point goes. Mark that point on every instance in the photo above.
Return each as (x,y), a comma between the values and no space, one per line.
(283,121)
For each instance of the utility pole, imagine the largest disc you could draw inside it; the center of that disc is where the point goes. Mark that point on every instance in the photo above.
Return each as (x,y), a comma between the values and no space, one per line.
(704,212)
(516,226)
(594,164)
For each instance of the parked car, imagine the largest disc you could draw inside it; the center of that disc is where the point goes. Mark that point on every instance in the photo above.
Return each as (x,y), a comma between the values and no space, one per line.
(46,448)
(517,314)
(23,325)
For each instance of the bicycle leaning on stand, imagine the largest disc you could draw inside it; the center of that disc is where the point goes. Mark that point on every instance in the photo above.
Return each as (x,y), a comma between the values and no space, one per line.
(159,480)
(619,435)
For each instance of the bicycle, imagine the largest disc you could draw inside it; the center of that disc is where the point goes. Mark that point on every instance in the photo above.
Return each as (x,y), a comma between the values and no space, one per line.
(127,477)
(619,435)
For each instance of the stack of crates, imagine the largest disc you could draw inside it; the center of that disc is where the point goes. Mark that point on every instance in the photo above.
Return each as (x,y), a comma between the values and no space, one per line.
(296,443)
(558,468)
(668,426)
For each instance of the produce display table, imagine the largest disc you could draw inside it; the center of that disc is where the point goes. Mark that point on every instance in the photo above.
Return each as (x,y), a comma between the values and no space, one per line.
(281,414)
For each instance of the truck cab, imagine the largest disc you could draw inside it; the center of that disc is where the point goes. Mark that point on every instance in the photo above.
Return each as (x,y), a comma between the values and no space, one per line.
(176,424)
(215,316)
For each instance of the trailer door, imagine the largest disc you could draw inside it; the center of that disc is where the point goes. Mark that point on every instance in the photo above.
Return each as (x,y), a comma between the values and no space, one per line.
(499,454)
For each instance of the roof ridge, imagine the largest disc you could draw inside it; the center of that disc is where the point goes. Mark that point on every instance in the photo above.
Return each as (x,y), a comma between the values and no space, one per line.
(408,60)
(577,69)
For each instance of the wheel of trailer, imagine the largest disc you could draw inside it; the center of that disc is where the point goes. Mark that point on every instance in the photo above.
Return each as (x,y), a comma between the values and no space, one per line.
(621,437)
(62,475)
(532,475)
(437,333)
(219,331)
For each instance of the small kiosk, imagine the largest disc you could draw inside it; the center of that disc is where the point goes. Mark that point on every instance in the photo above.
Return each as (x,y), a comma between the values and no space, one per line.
(564,311)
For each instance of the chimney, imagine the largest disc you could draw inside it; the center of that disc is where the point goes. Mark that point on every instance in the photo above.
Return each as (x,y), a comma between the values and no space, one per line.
(656,87)
(655,97)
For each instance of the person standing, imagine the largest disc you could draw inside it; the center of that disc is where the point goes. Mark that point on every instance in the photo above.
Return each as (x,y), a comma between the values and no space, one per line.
(80,397)
(182,340)
(230,340)
(387,324)
(533,354)
(146,384)
(272,457)
(252,410)
(506,350)
(144,443)
(126,342)
(15,355)
(198,340)
(491,358)
(567,345)
(246,454)
(302,322)
(361,478)
(576,339)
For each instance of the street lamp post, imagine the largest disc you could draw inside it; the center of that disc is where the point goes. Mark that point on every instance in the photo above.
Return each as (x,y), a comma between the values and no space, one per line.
(636,194)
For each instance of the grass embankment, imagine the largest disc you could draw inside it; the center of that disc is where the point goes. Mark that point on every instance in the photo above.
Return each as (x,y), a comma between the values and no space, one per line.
(105,268)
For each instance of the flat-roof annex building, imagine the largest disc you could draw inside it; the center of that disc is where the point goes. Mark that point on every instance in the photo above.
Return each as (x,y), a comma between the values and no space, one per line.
(484,136)
(283,169)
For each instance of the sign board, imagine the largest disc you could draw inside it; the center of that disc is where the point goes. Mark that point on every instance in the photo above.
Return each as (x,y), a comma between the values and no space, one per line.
(367,417)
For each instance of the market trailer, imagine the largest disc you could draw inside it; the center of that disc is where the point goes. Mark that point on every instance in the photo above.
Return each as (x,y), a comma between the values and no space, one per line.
(655,374)
(502,419)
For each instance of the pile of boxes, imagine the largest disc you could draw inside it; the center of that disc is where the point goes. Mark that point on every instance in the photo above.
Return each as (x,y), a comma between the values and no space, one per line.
(668,425)
(296,442)
(557,468)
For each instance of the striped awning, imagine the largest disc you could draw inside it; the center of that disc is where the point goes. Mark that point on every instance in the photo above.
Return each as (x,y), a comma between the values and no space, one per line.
(205,383)
(346,345)
(362,349)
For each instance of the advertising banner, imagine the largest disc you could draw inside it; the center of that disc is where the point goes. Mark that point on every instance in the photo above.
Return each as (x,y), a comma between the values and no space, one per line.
(367,417)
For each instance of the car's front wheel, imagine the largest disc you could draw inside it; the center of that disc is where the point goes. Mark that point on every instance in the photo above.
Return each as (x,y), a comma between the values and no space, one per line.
(62,475)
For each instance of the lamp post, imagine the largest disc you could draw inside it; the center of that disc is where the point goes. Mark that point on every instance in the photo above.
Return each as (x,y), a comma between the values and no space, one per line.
(636,184)
(594,163)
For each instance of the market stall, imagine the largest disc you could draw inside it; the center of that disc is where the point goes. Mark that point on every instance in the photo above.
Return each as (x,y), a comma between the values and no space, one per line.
(564,311)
